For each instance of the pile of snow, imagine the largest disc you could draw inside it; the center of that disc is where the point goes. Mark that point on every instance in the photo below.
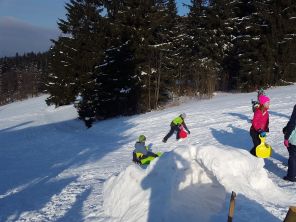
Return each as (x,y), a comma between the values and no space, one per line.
(192,184)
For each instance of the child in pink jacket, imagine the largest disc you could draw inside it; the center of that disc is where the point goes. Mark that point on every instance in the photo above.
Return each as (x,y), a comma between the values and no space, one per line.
(260,122)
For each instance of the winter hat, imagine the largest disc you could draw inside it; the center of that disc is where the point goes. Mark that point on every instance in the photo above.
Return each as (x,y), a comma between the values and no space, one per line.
(183,115)
(263,99)
(142,138)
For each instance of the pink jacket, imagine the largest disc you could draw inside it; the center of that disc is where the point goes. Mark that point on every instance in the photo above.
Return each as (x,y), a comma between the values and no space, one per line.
(260,120)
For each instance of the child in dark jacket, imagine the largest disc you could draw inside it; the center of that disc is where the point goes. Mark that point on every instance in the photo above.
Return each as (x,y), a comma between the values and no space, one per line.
(175,126)
(260,122)
(290,142)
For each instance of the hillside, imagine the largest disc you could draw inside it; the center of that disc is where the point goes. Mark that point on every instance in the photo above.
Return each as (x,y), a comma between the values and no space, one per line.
(54,169)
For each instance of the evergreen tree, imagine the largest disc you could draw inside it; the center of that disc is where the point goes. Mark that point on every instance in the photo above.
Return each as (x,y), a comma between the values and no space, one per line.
(21,77)
(146,27)
(199,40)
(141,53)
(162,51)
(76,53)
(281,17)
(61,83)
(170,49)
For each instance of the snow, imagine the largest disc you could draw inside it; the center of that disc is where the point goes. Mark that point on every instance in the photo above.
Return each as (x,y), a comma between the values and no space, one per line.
(126,90)
(54,169)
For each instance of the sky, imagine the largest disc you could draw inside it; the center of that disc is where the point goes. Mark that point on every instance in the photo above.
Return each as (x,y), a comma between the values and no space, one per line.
(28,25)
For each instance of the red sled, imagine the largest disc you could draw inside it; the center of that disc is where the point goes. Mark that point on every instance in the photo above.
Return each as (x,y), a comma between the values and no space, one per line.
(182,133)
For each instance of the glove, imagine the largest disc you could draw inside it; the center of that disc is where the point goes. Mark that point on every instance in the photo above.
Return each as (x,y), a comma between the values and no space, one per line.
(286,143)
(263,134)
(149,147)
(267,130)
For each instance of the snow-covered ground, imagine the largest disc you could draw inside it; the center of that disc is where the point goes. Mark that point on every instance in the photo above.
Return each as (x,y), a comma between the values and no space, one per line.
(54,169)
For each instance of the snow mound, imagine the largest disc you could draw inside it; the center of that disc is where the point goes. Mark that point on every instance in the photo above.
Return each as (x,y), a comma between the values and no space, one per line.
(241,172)
(191,183)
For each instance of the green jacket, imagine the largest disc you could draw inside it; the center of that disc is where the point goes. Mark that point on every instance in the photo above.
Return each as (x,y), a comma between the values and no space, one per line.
(178,121)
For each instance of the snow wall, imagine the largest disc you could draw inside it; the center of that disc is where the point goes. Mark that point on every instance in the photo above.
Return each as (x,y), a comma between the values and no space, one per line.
(191,184)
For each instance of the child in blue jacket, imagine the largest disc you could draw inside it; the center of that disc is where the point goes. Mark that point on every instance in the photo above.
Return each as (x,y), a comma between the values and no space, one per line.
(141,148)
(290,142)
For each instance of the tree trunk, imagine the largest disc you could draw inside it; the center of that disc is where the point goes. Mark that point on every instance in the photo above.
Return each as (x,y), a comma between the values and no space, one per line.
(158,81)
(149,85)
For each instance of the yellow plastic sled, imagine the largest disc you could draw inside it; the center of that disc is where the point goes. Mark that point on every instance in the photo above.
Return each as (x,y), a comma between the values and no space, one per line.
(263,150)
(146,160)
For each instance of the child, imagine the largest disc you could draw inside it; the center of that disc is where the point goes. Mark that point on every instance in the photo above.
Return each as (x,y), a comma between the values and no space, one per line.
(290,142)
(175,126)
(142,149)
(260,122)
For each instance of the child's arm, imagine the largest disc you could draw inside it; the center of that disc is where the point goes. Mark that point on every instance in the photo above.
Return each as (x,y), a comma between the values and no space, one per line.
(291,124)
(256,123)
(184,125)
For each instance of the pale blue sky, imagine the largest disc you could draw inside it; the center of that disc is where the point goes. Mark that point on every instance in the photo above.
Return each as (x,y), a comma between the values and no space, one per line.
(43,13)
(29,24)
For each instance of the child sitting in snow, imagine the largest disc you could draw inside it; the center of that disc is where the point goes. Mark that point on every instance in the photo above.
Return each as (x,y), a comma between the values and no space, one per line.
(176,125)
(142,151)
(260,122)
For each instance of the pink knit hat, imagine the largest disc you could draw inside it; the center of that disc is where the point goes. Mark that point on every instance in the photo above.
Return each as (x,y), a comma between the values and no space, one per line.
(263,99)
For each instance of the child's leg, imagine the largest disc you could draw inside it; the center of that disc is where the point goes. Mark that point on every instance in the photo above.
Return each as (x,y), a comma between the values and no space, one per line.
(292,162)
(170,133)
(135,159)
(256,141)
(151,154)
(178,131)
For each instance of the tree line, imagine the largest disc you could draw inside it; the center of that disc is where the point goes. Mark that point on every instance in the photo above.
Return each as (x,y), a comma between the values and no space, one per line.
(130,56)
(22,76)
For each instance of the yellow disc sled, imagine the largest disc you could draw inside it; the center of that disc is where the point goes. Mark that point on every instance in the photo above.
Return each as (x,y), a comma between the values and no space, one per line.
(263,150)
(147,160)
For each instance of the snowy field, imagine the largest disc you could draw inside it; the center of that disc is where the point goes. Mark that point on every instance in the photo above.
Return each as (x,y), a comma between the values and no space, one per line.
(54,169)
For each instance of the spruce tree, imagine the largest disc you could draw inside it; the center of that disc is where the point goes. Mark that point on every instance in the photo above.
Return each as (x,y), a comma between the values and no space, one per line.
(60,83)
(75,55)
(281,17)
(202,67)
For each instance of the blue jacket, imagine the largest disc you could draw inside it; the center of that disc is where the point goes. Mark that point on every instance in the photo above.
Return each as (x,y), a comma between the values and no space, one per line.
(289,130)
(141,148)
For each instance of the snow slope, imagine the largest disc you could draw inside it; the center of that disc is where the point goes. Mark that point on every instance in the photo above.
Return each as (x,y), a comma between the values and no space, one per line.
(54,169)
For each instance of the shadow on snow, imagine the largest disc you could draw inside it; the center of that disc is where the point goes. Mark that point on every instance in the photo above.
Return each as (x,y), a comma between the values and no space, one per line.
(201,201)
(31,159)
(240,138)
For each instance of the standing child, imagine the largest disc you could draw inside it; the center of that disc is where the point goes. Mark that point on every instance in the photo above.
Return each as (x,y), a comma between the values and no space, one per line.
(260,122)
(176,125)
(290,142)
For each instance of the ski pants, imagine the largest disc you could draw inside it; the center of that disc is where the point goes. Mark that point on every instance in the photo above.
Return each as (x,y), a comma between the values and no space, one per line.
(171,132)
(292,162)
(256,140)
